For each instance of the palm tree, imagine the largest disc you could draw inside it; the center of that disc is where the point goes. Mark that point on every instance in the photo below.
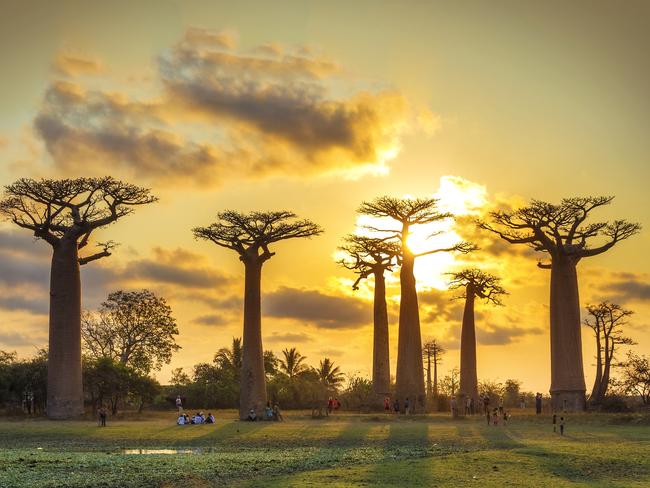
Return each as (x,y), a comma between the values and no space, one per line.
(230,359)
(292,364)
(329,375)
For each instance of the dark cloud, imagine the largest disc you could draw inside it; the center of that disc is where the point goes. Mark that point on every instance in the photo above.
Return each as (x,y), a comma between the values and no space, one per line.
(288,337)
(211,320)
(14,339)
(630,288)
(269,109)
(313,307)
(498,335)
(37,306)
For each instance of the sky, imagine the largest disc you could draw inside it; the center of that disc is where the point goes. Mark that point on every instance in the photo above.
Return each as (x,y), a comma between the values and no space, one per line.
(315,107)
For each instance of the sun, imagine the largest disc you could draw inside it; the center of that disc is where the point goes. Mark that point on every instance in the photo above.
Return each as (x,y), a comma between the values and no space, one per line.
(455,195)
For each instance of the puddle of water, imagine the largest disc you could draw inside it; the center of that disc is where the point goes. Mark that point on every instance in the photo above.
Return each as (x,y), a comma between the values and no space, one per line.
(161,451)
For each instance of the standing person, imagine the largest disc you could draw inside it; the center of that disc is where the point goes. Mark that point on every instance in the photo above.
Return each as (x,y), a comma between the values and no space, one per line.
(179,404)
(386,404)
(396,406)
(487,416)
(406,406)
(102,416)
(277,415)
(472,407)
(453,406)
(561,425)
(330,405)
(554,422)
(538,403)
(500,405)
(486,404)
(495,417)
(468,406)
(522,402)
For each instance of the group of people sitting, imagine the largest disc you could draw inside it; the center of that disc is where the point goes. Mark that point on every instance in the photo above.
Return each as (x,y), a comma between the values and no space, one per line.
(198,418)
(270,413)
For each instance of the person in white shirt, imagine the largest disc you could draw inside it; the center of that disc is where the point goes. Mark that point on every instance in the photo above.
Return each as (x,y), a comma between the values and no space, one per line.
(180,420)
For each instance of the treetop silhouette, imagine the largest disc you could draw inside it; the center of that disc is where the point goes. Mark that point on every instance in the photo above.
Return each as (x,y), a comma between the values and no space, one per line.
(483,285)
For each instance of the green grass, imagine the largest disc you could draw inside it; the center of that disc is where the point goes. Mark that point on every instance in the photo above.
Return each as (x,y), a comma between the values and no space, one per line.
(343,450)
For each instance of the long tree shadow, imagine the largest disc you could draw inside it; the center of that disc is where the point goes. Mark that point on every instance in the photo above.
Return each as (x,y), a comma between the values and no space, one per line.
(406,441)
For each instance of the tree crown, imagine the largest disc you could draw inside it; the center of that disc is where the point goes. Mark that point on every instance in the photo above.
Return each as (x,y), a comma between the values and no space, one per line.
(560,230)
(408,212)
(483,285)
(71,208)
(368,255)
(250,233)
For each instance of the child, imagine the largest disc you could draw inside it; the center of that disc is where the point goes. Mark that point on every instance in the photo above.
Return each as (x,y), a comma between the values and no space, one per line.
(495,417)
(554,422)
(561,425)
(505,418)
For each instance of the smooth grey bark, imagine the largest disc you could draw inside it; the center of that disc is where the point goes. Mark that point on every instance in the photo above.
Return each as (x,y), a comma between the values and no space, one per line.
(381,350)
(253,379)
(468,387)
(567,374)
(410,371)
(64,382)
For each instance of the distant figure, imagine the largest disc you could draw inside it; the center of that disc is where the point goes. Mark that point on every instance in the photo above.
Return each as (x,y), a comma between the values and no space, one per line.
(277,415)
(495,417)
(561,425)
(554,422)
(187,419)
(337,404)
(501,405)
(538,403)
(252,416)
(179,404)
(180,420)
(197,419)
(468,406)
(406,406)
(396,405)
(386,404)
(486,403)
(522,402)
(472,407)
(102,416)
(453,406)
(209,419)
(268,411)
(505,418)
(487,417)
(330,405)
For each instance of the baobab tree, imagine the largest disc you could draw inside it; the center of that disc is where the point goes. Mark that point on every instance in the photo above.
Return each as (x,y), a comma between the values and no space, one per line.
(402,215)
(562,232)
(607,321)
(250,235)
(432,352)
(64,213)
(369,256)
(475,284)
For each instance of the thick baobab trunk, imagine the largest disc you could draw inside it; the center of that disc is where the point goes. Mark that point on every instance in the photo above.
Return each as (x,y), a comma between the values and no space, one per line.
(410,371)
(252,392)
(468,378)
(380,363)
(567,376)
(594,397)
(64,382)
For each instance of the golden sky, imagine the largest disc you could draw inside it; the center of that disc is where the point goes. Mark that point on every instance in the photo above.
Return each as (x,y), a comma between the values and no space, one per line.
(315,107)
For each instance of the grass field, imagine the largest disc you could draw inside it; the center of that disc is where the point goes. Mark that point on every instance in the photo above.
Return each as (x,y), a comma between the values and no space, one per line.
(343,450)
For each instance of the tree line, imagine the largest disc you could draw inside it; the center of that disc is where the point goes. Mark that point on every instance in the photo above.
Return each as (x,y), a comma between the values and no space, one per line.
(65,213)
